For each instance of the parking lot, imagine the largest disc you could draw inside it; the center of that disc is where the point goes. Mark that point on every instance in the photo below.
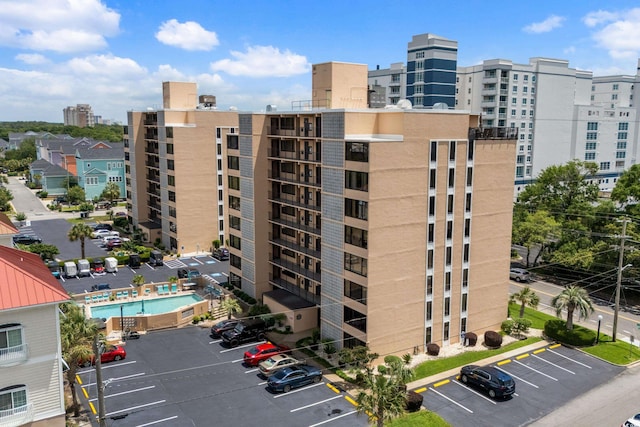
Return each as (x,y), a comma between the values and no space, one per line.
(184,377)
(545,379)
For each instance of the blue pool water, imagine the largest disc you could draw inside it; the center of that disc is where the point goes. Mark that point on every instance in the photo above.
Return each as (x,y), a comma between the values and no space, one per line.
(151,306)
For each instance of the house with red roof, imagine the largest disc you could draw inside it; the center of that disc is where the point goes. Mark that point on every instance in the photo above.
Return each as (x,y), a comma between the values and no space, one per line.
(7,230)
(31,379)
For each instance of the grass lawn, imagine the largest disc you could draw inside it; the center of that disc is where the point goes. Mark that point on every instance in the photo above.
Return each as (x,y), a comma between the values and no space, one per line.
(537,318)
(418,419)
(433,367)
(619,352)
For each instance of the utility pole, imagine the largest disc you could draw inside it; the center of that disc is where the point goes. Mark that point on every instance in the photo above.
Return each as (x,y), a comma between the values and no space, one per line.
(101,410)
(619,281)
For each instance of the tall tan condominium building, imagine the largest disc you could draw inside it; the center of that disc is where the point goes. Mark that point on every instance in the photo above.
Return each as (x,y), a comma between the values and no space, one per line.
(389,228)
(175,170)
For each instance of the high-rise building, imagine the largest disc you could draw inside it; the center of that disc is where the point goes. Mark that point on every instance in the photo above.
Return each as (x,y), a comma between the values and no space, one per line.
(175,170)
(81,115)
(385,227)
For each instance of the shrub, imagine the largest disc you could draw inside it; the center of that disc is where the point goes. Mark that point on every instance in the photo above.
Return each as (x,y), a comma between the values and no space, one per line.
(391,359)
(43,194)
(521,326)
(329,348)
(579,336)
(414,401)
(492,339)
(259,309)
(196,319)
(471,339)
(121,222)
(433,349)
(406,358)
(507,326)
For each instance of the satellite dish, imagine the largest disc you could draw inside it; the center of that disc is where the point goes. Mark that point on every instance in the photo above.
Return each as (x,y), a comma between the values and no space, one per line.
(440,106)
(232,108)
(405,104)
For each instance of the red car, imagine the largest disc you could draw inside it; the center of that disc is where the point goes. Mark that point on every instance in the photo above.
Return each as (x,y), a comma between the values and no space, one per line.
(111,353)
(262,352)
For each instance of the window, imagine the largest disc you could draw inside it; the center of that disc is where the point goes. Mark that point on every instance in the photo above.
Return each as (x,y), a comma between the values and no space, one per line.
(623,126)
(234,202)
(514,101)
(592,125)
(430,258)
(465,277)
(357,151)
(447,281)
(452,177)
(513,113)
(355,264)
(432,205)
(356,180)
(169,148)
(514,89)
(170,165)
(449,231)
(622,135)
(524,101)
(234,242)
(450,204)
(622,145)
(234,222)
(233,162)
(621,154)
(467,203)
(355,208)
(355,292)
(620,164)
(467,227)
(429,314)
(615,86)
(172,196)
(235,261)
(465,252)
(445,332)
(463,304)
(427,335)
(432,178)
(447,255)
(590,145)
(523,113)
(355,236)
(234,182)
(429,285)
(520,158)
(592,136)
(13,400)
(605,166)
(355,319)
(452,151)
(431,233)
(525,89)
(519,171)
(447,306)
(171,180)
(515,77)
(614,96)
(11,341)
(91,180)
(590,156)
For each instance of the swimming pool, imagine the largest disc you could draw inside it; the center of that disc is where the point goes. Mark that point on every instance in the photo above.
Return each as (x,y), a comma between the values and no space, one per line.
(145,306)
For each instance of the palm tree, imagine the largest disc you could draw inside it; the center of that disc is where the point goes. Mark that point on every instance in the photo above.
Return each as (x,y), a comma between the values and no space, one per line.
(111,191)
(76,337)
(80,232)
(525,297)
(381,398)
(572,298)
(230,305)
(138,280)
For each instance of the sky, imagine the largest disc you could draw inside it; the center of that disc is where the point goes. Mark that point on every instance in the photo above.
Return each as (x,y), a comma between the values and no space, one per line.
(115,54)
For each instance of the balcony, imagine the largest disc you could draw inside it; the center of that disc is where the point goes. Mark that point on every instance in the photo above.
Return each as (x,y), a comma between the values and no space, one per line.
(296,290)
(296,225)
(312,275)
(305,180)
(152,164)
(13,355)
(300,132)
(17,416)
(493,133)
(294,201)
(295,247)
(307,155)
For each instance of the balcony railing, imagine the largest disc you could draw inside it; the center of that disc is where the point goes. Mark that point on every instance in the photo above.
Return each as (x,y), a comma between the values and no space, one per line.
(17,416)
(301,156)
(295,201)
(305,180)
(297,226)
(298,248)
(13,355)
(493,133)
(296,290)
(309,274)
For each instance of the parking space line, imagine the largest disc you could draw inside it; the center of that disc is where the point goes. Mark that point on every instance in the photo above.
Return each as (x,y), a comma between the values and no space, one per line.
(114,366)
(333,419)
(517,377)
(474,392)
(535,370)
(93,408)
(124,392)
(158,421)
(215,342)
(553,364)
(568,358)
(242,346)
(263,383)
(135,407)
(251,370)
(116,379)
(451,400)
(237,360)
(298,390)
(197,260)
(335,390)
(314,404)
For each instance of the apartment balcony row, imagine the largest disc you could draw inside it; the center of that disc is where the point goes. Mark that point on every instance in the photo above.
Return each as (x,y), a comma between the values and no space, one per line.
(18,416)
(152,136)
(295,268)
(153,190)
(296,290)
(307,155)
(152,164)
(493,133)
(13,355)
(298,202)
(300,132)
(296,247)
(297,226)
(151,149)
(305,180)
(153,176)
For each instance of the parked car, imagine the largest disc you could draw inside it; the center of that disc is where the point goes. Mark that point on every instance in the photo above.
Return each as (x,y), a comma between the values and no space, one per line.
(26,239)
(245,331)
(114,243)
(103,232)
(111,265)
(294,376)
(107,239)
(262,352)
(134,261)
(632,422)
(84,268)
(54,268)
(275,363)
(221,254)
(220,327)
(188,273)
(121,214)
(103,226)
(98,268)
(496,382)
(156,258)
(100,287)
(519,275)
(111,353)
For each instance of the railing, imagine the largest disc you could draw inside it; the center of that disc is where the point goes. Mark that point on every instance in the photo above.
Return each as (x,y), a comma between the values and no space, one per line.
(17,416)
(298,248)
(297,225)
(12,355)
(493,133)
(309,274)
(296,290)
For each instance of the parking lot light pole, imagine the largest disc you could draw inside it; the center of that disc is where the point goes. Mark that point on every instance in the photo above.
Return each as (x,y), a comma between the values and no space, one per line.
(619,279)
(599,321)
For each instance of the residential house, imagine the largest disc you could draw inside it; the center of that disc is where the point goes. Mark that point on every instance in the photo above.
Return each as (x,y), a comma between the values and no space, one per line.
(53,179)
(98,166)
(7,231)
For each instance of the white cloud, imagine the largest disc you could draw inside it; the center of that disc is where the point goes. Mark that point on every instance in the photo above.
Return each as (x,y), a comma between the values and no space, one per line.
(57,25)
(109,66)
(545,26)
(188,35)
(598,17)
(263,61)
(569,50)
(621,36)
(32,58)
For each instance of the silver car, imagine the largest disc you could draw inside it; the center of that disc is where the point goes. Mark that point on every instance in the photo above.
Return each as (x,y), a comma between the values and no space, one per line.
(519,275)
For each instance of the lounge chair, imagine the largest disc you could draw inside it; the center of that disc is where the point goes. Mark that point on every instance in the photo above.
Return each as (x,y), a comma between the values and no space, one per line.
(134,293)
(166,289)
(125,294)
(94,298)
(119,295)
(147,291)
(87,299)
(174,288)
(160,289)
(106,296)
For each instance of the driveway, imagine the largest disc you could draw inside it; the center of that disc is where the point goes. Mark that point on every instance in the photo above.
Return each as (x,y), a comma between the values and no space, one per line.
(24,200)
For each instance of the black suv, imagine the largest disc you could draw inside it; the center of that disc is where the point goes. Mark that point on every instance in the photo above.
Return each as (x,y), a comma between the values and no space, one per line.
(223,326)
(102,226)
(496,382)
(26,239)
(188,273)
(245,330)
(221,254)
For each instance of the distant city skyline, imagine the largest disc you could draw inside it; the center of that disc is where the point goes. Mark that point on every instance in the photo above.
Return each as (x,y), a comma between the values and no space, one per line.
(113,55)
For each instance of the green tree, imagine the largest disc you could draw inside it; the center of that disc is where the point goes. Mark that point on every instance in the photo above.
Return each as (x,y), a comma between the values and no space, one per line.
(571,299)
(5,198)
(382,398)
(22,217)
(525,297)
(231,306)
(138,280)
(75,195)
(533,230)
(69,182)
(45,251)
(627,190)
(76,337)
(111,192)
(80,232)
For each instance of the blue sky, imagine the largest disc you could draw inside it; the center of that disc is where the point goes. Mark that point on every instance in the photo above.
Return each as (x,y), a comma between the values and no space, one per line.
(115,54)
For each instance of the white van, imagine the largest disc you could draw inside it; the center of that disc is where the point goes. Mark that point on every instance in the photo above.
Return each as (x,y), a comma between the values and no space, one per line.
(70,269)
(110,265)
(84,268)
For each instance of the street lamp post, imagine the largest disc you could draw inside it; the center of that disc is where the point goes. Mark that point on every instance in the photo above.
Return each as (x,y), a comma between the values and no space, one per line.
(599,321)
(619,280)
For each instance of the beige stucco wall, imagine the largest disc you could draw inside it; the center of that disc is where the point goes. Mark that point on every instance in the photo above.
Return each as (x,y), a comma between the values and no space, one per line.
(303,319)
(339,85)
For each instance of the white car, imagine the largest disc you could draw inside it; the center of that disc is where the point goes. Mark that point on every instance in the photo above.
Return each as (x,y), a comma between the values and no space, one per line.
(632,422)
(107,238)
(98,234)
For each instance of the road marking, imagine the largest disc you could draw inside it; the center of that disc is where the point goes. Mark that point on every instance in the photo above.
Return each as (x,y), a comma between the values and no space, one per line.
(517,377)
(535,370)
(451,400)
(350,400)
(118,365)
(215,342)
(439,383)
(539,351)
(84,391)
(116,379)
(157,422)
(555,346)
(263,383)
(333,419)
(298,390)
(474,392)
(251,370)
(93,408)
(421,390)
(335,390)
(626,332)
(314,404)
(522,356)
(553,364)
(237,360)
(78,380)
(135,407)
(124,392)
(568,358)
(242,346)
(504,362)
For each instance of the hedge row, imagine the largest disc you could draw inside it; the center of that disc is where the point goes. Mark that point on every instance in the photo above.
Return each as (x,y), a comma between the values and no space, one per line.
(578,336)
(244,296)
